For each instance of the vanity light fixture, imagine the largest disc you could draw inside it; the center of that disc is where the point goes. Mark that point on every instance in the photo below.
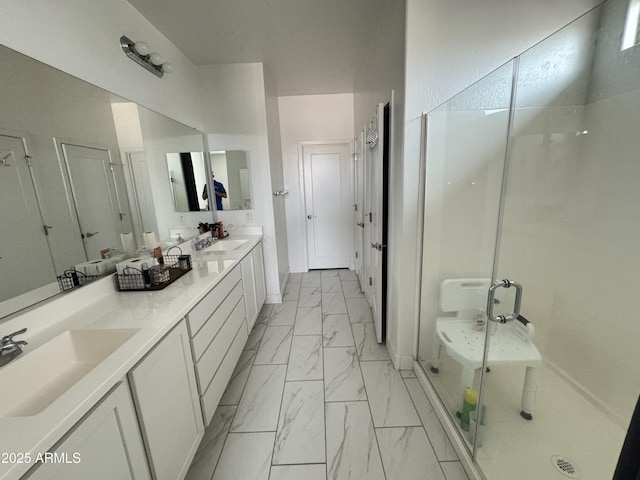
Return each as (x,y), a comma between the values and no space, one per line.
(140,53)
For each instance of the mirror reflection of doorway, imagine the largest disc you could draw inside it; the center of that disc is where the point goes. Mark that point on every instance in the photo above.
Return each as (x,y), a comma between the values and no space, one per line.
(24,248)
(230,167)
(95,197)
(188,180)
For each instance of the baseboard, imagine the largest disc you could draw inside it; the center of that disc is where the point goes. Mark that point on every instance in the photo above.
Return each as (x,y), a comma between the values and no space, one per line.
(277,298)
(400,362)
(459,446)
(284,285)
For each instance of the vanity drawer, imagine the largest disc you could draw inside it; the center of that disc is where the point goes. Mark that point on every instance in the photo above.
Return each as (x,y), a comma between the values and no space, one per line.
(210,329)
(213,394)
(211,359)
(203,310)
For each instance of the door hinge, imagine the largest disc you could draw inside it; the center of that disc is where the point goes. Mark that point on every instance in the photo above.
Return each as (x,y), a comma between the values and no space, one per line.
(370,281)
(356,254)
(28,159)
(355,207)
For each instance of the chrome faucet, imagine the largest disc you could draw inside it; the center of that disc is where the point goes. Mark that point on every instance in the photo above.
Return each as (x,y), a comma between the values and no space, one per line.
(10,348)
(202,243)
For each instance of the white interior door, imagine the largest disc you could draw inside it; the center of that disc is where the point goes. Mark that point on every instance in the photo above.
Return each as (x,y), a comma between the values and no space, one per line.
(25,258)
(375,226)
(359,210)
(368,198)
(94,197)
(328,204)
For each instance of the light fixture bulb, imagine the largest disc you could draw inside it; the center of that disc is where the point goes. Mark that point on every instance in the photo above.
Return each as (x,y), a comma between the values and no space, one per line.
(155,58)
(167,67)
(141,48)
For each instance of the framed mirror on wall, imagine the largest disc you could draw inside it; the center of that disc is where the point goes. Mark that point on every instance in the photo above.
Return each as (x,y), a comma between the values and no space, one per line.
(80,167)
(230,170)
(188,179)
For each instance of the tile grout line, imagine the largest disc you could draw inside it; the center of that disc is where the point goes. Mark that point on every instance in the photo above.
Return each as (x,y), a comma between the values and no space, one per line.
(404,381)
(284,386)
(375,435)
(324,391)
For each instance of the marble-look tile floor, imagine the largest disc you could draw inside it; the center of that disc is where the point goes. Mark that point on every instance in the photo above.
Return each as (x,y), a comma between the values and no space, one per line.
(314,397)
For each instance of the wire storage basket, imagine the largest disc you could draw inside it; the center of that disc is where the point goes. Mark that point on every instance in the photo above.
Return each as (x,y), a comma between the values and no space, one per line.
(73,278)
(155,278)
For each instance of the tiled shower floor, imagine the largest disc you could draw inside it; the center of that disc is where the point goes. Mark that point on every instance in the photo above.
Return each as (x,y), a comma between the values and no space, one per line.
(315,397)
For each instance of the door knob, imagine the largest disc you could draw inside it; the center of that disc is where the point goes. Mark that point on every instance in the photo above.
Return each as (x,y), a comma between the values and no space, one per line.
(360,224)
(378,246)
(309,217)
(89,234)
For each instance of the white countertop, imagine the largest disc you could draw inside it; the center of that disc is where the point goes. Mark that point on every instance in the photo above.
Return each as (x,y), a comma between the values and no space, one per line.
(100,306)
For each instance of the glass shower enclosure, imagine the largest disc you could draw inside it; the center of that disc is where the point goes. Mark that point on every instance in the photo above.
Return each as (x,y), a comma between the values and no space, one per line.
(531,181)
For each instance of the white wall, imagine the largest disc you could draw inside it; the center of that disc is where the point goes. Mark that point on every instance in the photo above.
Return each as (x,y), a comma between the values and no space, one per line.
(307,118)
(449,46)
(235,119)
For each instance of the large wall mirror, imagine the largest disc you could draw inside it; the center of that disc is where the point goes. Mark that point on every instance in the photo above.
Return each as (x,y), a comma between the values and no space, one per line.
(79,167)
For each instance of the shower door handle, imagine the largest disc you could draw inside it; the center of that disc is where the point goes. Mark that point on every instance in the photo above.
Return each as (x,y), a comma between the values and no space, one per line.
(491,301)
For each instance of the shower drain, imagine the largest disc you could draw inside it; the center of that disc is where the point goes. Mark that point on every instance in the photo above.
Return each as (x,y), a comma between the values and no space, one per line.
(565,466)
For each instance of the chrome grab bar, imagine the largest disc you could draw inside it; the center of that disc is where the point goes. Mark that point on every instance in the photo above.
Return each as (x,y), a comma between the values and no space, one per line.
(491,301)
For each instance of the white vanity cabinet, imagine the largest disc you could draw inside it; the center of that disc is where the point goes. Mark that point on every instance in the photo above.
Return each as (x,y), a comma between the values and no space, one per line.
(166,398)
(254,284)
(261,281)
(218,335)
(105,444)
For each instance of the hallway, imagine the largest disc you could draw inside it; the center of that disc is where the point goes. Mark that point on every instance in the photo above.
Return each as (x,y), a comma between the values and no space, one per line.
(314,397)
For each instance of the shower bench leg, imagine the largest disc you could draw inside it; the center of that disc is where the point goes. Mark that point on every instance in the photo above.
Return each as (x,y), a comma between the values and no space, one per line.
(529,391)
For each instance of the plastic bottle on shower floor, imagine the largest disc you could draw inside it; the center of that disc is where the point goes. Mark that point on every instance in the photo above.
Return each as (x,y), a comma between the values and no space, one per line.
(469,405)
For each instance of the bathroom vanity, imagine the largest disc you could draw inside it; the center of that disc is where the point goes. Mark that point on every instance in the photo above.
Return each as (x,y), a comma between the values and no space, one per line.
(123,384)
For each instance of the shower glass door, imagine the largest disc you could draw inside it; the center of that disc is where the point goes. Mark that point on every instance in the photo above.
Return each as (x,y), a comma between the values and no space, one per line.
(569,233)
(538,183)
(465,158)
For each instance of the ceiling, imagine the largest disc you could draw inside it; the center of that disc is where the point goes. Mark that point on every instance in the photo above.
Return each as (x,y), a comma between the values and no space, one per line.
(307,46)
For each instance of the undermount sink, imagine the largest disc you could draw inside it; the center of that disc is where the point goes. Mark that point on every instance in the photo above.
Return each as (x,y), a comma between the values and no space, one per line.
(226,245)
(33,382)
